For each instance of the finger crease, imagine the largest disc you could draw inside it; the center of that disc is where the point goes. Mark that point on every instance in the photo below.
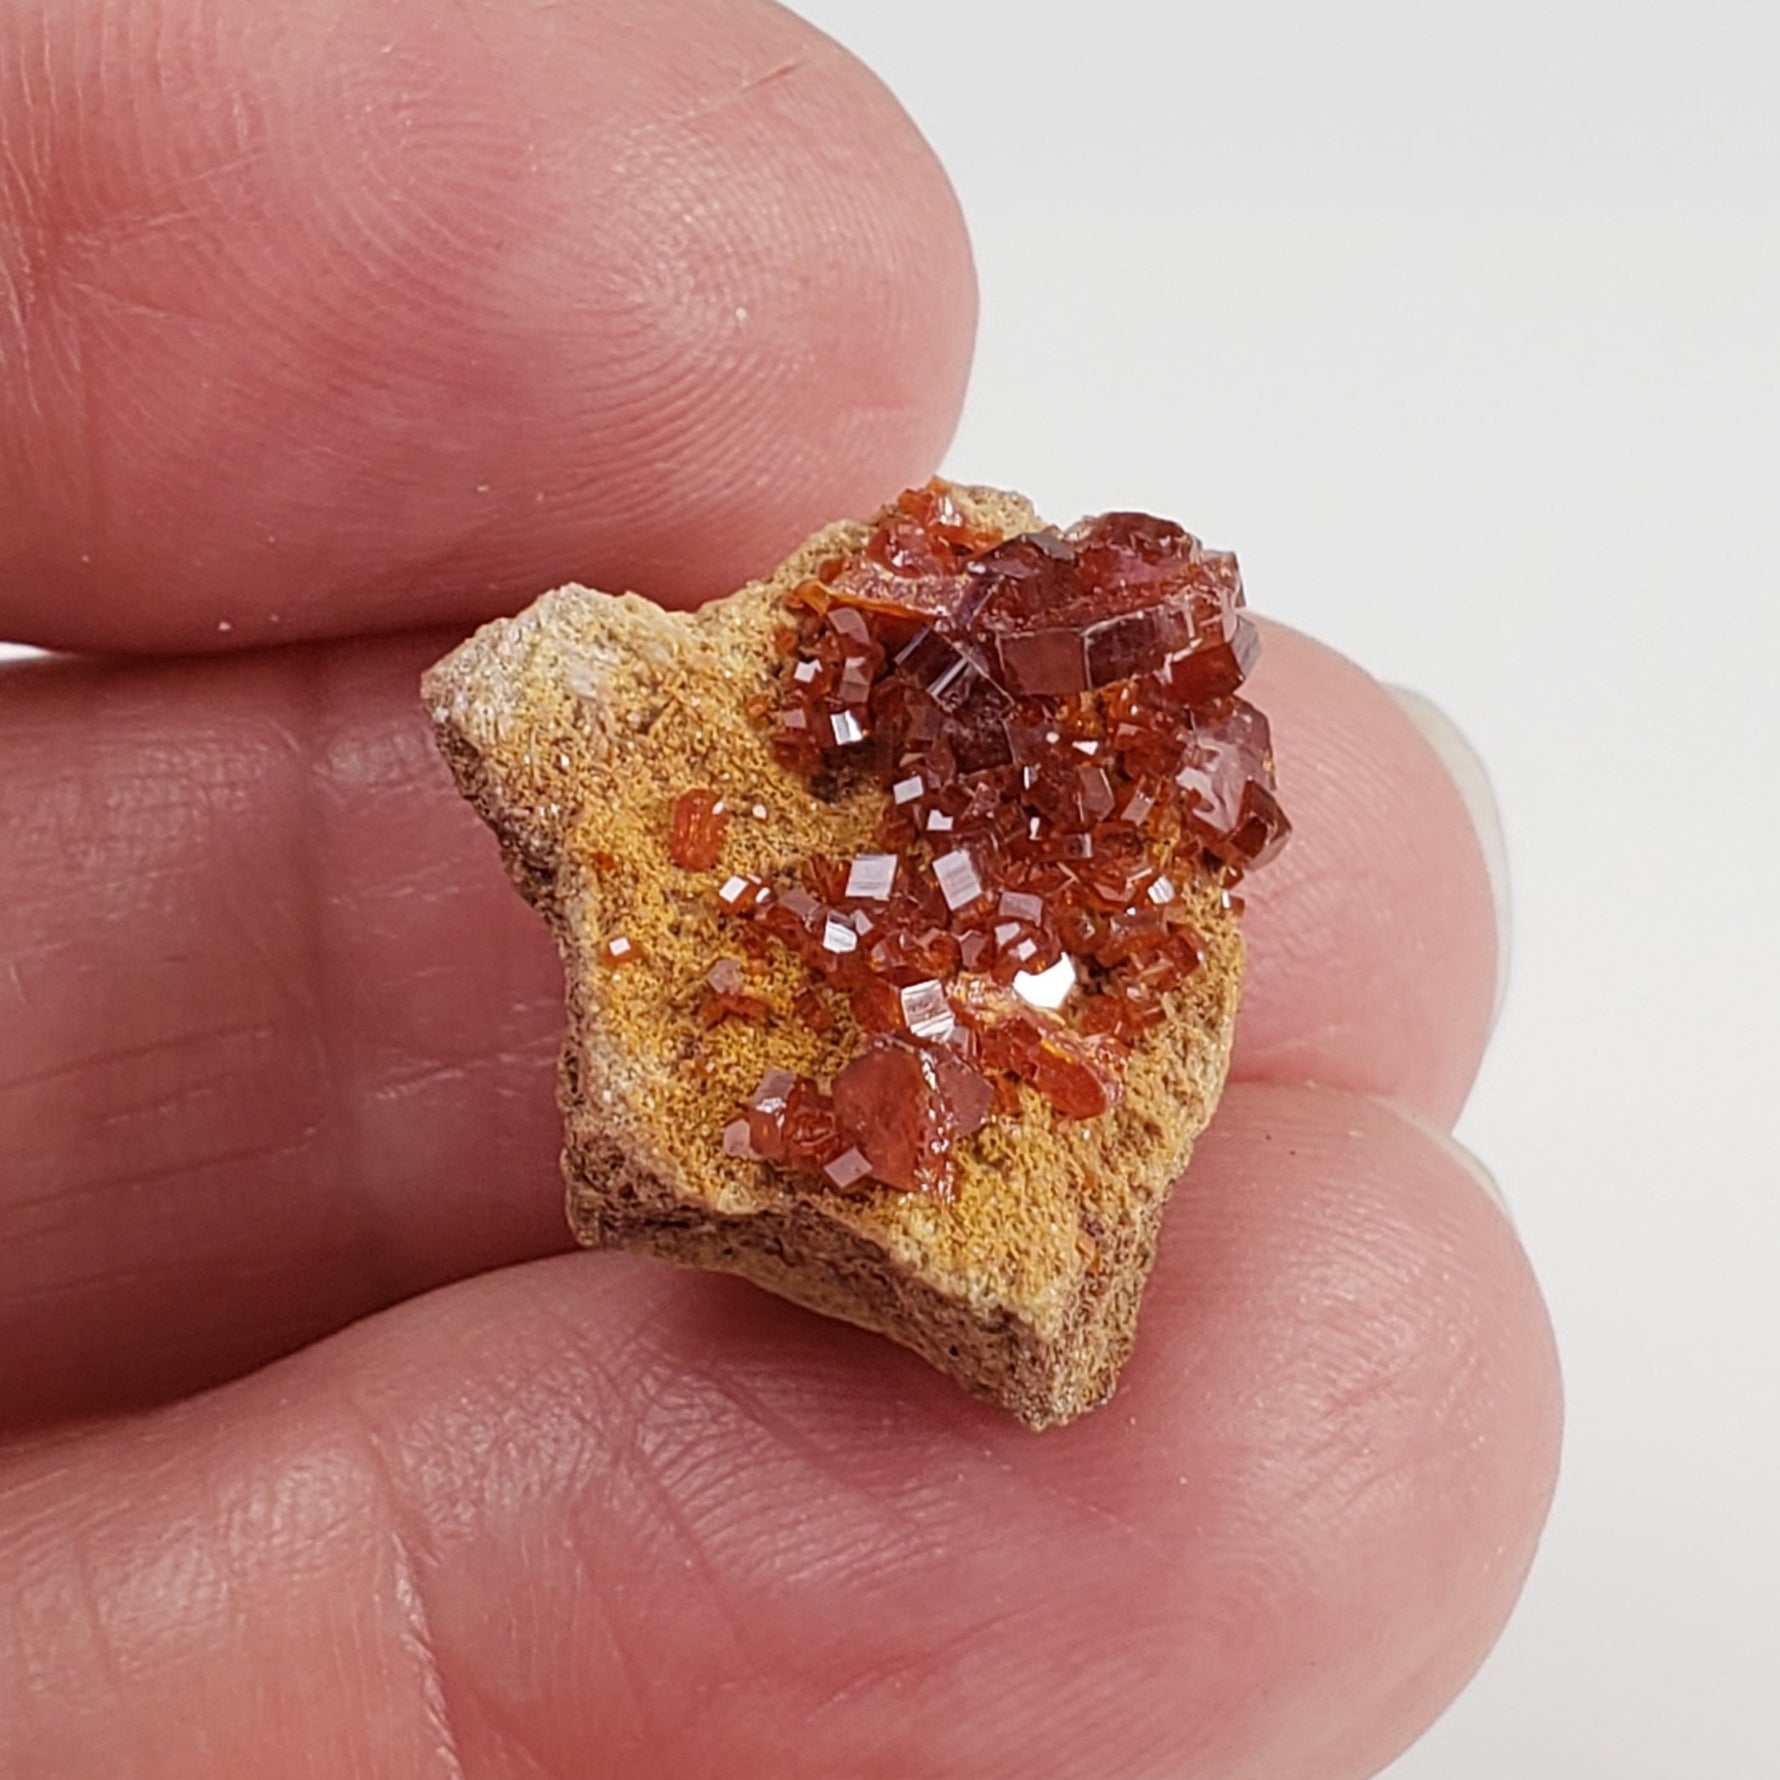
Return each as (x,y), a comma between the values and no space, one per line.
(415,1632)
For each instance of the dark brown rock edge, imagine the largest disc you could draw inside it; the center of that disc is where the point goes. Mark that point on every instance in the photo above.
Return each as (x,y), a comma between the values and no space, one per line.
(572,729)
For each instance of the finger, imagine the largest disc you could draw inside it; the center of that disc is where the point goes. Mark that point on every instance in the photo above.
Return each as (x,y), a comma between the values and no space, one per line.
(318,317)
(1373,938)
(595,1517)
(278,1038)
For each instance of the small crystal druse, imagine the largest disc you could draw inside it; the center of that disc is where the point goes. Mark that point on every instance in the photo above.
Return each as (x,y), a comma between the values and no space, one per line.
(1054,724)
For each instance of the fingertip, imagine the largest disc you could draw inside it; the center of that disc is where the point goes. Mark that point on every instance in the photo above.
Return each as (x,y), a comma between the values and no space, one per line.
(1373,938)
(1471,778)
(359,319)
(1340,1277)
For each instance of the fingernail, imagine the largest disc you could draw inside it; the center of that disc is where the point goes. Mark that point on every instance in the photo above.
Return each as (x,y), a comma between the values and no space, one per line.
(1445,1140)
(1467,770)
(1480,1174)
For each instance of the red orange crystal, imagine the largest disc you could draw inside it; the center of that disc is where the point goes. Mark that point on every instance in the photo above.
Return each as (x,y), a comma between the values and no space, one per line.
(1053,720)
(700,824)
(726,994)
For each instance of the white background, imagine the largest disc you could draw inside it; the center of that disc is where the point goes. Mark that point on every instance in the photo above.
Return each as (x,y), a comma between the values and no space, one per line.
(1460,323)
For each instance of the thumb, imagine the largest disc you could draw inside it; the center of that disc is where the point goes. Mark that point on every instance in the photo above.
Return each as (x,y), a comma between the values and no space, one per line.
(593,1516)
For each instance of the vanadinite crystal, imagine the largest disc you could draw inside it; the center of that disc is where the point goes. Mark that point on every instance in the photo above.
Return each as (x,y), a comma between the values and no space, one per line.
(700,823)
(1054,723)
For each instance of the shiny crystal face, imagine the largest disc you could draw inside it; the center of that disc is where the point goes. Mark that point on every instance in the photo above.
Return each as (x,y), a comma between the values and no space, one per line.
(1053,721)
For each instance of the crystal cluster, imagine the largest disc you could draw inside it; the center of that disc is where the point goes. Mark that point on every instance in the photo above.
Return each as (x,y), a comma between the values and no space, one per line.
(1053,721)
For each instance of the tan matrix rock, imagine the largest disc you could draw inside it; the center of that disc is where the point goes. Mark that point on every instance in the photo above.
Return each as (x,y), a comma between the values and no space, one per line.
(573,728)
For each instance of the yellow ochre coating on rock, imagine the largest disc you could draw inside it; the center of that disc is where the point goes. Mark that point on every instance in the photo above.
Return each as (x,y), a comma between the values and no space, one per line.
(573,728)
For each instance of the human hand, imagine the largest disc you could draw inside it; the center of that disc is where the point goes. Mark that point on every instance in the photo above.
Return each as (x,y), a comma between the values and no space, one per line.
(322,322)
